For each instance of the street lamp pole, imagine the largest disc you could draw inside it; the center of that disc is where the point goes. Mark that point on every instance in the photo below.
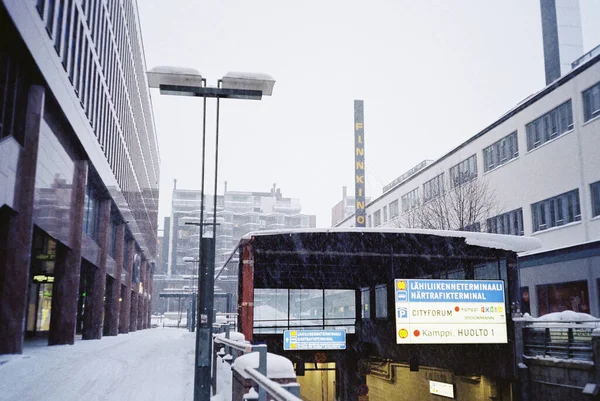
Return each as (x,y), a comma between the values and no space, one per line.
(234,85)
(215,188)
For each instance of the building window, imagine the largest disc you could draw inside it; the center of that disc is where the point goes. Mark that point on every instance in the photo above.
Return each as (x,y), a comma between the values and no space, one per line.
(369,221)
(563,296)
(59,26)
(556,211)
(410,200)
(112,237)
(500,152)
(365,295)
(385,214)
(433,188)
(595,190)
(510,223)
(40,7)
(14,83)
(381,309)
(394,209)
(50,20)
(475,227)
(91,212)
(377,218)
(591,102)
(552,124)
(463,172)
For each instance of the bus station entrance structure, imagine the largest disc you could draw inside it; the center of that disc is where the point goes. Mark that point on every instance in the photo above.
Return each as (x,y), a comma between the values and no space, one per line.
(299,290)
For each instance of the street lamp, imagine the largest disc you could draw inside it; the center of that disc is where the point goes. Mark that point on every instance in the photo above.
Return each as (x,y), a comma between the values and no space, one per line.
(234,85)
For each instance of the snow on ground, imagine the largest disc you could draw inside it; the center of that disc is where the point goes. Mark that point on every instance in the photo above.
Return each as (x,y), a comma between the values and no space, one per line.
(154,364)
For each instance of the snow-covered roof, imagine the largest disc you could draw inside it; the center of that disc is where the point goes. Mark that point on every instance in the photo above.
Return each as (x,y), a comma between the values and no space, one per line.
(497,241)
(278,367)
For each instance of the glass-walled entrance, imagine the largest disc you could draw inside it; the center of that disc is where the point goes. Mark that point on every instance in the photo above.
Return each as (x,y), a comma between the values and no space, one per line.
(39,306)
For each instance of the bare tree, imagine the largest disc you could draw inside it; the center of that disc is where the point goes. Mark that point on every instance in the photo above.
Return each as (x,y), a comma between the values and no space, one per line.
(459,208)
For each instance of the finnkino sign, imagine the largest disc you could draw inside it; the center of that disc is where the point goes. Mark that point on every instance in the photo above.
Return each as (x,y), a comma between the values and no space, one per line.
(450,311)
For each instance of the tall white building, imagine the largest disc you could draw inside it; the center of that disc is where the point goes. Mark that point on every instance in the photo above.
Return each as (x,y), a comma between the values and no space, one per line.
(238,213)
(541,160)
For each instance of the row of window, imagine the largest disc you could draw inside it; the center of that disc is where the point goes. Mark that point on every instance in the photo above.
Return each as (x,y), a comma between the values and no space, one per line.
(510,223)
(552,212)
(463,172)
(460,174)
(556,211)
(500,152)
(410,200)
(552,124)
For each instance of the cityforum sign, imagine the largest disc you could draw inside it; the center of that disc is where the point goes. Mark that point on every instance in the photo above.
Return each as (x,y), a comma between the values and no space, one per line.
(450,311)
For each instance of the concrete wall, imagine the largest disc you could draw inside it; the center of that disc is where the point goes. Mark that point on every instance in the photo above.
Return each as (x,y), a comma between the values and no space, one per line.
(558,381)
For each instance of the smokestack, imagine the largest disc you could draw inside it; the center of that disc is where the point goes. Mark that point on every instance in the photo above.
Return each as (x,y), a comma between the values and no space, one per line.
(561,35)
(175,183)
(225,190)
(344,188)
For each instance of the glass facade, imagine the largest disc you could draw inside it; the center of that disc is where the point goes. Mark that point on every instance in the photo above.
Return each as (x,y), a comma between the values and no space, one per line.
(100,50)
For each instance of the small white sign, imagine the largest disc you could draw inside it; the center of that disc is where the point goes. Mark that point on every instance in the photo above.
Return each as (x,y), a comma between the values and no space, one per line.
(442,389)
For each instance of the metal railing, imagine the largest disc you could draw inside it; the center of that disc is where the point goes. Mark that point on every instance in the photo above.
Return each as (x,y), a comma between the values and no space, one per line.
(559,340)
(588,56)
(279,392)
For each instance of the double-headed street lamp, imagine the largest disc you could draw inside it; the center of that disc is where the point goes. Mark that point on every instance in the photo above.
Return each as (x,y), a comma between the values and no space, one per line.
(234,85)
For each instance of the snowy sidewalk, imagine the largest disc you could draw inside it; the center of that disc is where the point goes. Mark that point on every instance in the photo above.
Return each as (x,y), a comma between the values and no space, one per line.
(154,364)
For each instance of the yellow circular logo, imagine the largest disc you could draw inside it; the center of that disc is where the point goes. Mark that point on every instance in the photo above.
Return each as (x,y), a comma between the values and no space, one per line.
(403,333)
(401,285)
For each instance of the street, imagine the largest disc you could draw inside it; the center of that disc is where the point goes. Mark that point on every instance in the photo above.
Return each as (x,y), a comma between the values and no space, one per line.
(154,364)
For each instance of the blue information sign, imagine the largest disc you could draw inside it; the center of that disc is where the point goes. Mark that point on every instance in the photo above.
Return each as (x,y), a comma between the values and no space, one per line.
(451,290)
(314,340)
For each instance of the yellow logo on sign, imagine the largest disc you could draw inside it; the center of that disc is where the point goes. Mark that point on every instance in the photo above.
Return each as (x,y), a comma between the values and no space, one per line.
(401,285)
(403,333)
(293,333)
(293,345)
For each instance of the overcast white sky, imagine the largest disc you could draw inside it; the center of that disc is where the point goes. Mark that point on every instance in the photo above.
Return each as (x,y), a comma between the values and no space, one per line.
(432,73)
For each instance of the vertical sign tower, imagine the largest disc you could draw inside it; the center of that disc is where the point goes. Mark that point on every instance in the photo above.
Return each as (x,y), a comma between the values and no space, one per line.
(359,163)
